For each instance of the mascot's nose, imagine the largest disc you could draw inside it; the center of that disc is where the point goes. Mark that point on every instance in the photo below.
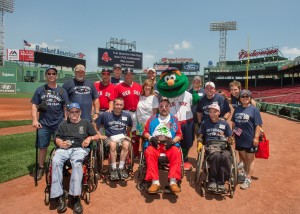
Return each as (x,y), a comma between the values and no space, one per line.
(170,82)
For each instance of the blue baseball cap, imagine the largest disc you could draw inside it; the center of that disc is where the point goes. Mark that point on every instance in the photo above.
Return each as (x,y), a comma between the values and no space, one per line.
(51,68)
(243,92)
(73,105)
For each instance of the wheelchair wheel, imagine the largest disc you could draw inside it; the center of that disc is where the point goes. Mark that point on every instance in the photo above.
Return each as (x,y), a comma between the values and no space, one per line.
(87,197)
(101,157)
(92,171)
(129,160)
(234,170)
(199,166)
(141,173)
(202,191)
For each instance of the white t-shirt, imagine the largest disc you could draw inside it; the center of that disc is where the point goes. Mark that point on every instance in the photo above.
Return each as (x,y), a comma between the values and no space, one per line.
(181,106)
(145,107)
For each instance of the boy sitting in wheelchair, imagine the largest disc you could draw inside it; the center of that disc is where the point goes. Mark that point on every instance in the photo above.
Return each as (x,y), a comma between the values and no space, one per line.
(72,138)
(216,133)
(164,133)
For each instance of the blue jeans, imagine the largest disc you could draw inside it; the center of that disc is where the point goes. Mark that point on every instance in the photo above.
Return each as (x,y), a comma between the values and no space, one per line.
(44,137)
(76,156)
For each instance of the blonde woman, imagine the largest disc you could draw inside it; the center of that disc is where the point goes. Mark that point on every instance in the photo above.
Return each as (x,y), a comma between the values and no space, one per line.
(147,106)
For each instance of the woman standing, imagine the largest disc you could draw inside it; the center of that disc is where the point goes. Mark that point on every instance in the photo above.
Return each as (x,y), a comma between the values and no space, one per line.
(246,127)
(147,106)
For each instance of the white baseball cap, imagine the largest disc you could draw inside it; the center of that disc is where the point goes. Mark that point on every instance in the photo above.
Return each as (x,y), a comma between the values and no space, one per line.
(151,69)
(211,84)
(214,106)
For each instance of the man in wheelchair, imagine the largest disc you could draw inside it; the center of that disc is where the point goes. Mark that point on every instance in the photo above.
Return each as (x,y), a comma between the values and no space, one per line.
(164,134)
(72,138)
(217,134)
(117,125)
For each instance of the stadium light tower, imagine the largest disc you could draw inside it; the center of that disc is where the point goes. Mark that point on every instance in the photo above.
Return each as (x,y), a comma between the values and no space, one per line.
(5,6)
(223,27)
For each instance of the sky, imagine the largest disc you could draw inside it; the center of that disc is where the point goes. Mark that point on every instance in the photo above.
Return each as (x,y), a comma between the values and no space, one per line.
(161,29)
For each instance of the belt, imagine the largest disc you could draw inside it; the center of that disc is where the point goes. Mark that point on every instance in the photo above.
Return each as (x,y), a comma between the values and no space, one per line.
(186,121)
(103,110)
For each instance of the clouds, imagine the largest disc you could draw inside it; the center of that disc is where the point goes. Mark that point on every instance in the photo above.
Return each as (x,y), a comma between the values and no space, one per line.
(184,45)
(290,51)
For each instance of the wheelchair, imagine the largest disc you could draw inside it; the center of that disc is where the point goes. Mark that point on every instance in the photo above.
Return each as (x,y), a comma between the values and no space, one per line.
(90,174)
(104,160)
(142,184)
(203,167)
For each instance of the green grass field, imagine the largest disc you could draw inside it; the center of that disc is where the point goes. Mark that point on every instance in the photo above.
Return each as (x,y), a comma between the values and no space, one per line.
(5,124)
(17,155)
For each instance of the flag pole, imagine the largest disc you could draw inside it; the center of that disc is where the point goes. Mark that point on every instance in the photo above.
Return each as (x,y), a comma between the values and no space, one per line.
(247,65)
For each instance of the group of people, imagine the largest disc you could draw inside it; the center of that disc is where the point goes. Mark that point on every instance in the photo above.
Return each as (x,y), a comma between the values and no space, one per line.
(124,113)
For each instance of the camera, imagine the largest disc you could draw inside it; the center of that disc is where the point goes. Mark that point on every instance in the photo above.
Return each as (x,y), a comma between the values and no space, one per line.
(42,107)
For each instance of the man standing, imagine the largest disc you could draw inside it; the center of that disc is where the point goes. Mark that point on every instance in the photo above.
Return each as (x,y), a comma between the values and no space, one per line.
(106,91)
(130,91)
(211,97)
(82,91)
(117,71)
(117,125)
(50,101)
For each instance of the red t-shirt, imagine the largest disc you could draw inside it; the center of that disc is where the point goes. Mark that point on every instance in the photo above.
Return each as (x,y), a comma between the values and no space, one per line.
(130,94)
(106,94)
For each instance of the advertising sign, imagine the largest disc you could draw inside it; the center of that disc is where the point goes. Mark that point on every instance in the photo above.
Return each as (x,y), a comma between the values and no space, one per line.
(26,56)
(258,53)
(128,59)
(12,54)
(8,88)
(191,67)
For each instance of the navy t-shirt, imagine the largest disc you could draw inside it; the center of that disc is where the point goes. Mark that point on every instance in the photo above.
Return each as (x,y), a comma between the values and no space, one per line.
(55,99)
(115,81)
(212,130)
(217,99)
(83,93)
(114,124)
(246,120)
(235,102)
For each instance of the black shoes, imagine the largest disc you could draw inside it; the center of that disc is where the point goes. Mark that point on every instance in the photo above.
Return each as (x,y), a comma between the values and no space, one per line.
(40,173)
(123,174)
(77,209)
(62,203)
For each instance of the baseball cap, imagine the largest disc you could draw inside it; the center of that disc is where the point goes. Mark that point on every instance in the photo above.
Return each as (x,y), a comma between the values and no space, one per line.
(73,105)
(214,106)
(244,91)
(49,68)
(170,69)
(106,70)
(127,70)
(151,69)
(197,78)
(211,84)
(117,66)
(164,99)
(79,67)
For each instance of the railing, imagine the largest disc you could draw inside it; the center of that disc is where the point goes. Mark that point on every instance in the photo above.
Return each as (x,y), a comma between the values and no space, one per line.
(289,111)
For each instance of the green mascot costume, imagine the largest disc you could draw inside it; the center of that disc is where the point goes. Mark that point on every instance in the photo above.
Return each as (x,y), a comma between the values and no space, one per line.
(173,85)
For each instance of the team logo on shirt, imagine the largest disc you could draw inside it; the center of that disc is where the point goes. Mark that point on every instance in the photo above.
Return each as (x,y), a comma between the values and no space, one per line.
(81,131)
(82,90)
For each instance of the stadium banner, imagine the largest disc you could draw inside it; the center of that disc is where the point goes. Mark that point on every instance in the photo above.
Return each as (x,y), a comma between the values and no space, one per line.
(8,88)
(20,55)
(26,56)
(8,75)
(127,59)
(191,67)
(13,54)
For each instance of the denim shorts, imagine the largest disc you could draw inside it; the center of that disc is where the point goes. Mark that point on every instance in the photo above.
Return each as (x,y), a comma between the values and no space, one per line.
(44,137)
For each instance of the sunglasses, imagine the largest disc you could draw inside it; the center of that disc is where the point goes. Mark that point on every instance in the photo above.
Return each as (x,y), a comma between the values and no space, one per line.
(51,74)
(244,96)
(162,106)
(74,112)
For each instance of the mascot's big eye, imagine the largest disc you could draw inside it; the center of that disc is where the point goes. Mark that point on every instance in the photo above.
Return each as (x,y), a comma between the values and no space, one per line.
(173,77)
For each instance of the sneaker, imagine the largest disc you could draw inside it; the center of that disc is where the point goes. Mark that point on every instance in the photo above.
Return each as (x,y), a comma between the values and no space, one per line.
(62,203)
(246,184)
(187,166)
(114,175)
(153,188)
(175,188)
(40,173)
(77,205)
(241,178)
(123,174)
(212,186)
(221,188)
(241,166)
